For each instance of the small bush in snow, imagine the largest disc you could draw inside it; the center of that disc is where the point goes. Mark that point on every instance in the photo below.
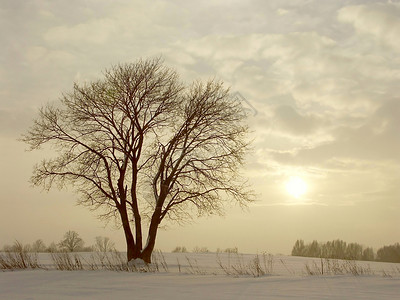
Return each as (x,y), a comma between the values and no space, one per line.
(180,249)
(200,250)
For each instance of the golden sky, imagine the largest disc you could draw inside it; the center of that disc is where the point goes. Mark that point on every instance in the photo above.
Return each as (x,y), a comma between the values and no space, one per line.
(323,77)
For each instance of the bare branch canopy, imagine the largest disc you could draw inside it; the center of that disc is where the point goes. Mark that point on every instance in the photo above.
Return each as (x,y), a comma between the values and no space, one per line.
(142,147)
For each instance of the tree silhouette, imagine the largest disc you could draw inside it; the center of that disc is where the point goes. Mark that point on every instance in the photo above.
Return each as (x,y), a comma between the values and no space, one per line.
(104,244)
(143,147)
(71,242)
(389,253)
(39,246)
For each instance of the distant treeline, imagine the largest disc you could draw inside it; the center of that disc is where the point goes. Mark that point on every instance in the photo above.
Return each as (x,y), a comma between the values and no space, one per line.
(71,242)
(339,249)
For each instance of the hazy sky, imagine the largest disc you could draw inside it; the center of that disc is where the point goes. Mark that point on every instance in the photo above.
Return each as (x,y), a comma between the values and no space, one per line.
(324,77)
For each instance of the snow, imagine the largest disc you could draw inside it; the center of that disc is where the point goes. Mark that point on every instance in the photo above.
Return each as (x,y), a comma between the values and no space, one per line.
(287,281)
(137,263)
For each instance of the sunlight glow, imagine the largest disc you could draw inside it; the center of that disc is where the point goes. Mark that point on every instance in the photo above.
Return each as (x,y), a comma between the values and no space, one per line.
(296,186)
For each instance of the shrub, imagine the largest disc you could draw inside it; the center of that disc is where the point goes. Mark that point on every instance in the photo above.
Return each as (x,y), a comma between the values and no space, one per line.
(200,250)
(232,250)
(180,249)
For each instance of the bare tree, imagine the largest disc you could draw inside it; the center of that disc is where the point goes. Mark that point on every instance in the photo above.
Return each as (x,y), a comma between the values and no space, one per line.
(38,246)
(71,242)
(104,244)
(52,247)
(144,147)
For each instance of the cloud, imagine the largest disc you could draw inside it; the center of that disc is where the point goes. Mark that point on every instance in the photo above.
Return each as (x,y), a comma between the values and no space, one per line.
(287,118)
(316,70)
(14,122)
(379,20)
(376,140)
(322,92)
(323,76)
(95,31)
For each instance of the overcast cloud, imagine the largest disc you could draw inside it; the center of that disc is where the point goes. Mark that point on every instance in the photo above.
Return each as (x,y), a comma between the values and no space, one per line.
(323,76)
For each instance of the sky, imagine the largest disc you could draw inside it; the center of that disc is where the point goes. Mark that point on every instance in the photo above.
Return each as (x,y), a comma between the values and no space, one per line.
(322,77)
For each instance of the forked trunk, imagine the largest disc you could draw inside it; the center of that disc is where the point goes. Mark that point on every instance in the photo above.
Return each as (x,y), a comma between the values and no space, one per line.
(151,239)
(138,229)
(131,250)
(148,250)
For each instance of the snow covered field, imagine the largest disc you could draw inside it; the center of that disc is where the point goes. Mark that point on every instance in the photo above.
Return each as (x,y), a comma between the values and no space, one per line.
(199,276)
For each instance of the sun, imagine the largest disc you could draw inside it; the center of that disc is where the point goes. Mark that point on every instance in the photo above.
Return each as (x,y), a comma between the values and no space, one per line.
(296,186)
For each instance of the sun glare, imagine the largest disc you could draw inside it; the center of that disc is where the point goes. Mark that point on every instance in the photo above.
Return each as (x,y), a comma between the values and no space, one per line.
(296,186)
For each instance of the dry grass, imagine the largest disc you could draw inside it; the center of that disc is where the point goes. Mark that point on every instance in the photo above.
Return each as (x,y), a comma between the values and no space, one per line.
(233,264)
(194,268)
(256,267)
(328,266)
(66,261)
(111,261)
(20,258)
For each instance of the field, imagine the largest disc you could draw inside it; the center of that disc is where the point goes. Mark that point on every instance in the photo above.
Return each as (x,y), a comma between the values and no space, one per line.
(207,276)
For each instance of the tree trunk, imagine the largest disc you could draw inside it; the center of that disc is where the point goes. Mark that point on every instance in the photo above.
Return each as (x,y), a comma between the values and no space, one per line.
(151,239)
(138,231)
(138,227)
(131,250)
(135,208)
